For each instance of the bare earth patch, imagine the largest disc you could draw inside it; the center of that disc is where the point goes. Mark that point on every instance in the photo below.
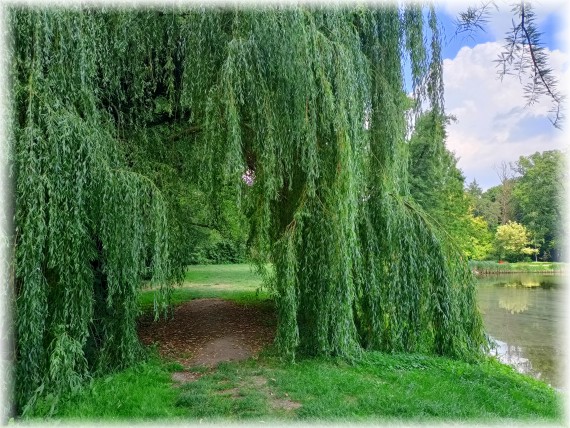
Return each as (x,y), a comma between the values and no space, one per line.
(285,404)
(208,331)
(181,378)
(260,383)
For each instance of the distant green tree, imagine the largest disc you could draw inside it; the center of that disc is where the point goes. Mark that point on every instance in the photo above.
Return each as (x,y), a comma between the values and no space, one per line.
(539,192)
(475,195)
(504,197)
(511,241)
(435,181)
(484,204)
(481,239)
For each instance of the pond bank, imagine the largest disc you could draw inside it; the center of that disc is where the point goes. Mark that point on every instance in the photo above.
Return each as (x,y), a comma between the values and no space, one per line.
(396,389)
(495,268)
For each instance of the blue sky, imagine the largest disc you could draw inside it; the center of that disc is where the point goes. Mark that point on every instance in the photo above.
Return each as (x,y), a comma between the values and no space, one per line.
(494,125)
(551,25)
(452,42)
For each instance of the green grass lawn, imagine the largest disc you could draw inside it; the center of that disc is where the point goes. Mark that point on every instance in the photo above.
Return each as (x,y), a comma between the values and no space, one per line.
(237,282)
(375,388)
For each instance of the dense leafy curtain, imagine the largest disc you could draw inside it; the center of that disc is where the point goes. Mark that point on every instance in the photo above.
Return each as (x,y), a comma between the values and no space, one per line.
(301,111)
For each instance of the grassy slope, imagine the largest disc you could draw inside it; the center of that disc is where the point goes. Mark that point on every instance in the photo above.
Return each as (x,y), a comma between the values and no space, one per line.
(376,388)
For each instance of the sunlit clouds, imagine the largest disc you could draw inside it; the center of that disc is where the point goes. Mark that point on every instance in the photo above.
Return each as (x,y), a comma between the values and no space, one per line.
(493,122)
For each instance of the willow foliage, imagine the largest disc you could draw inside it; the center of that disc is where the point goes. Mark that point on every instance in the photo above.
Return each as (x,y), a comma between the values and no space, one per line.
(313,102)
(307,103)
(87,228)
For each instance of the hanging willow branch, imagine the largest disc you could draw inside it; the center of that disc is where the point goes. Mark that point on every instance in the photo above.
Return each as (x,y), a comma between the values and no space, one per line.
(524,54)
(323,118)
(307,102)
(474,19)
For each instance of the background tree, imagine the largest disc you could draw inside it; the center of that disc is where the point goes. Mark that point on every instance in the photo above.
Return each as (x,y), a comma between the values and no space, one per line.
(511,240)
(485,204)
(504,195)
(539,192)
(481,239)
(475,195)
(437,184)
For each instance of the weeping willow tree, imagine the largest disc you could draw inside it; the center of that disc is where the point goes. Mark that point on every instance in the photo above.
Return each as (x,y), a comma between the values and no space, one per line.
(301,110)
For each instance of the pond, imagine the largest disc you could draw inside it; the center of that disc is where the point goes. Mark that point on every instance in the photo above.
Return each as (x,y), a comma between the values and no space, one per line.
(523,313)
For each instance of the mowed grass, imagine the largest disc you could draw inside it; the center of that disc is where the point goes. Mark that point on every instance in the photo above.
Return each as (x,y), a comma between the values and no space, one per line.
(140,393)
(376,388)
(238,282)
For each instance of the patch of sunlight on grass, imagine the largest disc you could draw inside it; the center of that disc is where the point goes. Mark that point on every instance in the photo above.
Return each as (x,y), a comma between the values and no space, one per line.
(239,283)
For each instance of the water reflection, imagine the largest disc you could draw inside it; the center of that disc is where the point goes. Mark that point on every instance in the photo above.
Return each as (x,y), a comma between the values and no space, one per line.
(512,355)
(516,303)
(522,314)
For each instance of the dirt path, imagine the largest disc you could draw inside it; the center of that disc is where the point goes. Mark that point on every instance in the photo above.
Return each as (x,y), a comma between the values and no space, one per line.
(207,331)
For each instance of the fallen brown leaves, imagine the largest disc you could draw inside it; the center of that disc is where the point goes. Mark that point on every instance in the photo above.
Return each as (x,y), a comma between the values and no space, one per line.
(207,331)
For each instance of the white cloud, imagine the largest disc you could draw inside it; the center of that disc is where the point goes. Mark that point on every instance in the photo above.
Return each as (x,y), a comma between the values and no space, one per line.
(493,123)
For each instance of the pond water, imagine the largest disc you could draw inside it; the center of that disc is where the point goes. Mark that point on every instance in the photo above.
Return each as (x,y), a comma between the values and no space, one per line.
(523,313)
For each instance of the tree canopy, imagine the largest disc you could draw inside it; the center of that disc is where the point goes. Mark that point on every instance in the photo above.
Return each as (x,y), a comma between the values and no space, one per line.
(485,204)
(539,192)
(307,103)
(512,239)
(532,194)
